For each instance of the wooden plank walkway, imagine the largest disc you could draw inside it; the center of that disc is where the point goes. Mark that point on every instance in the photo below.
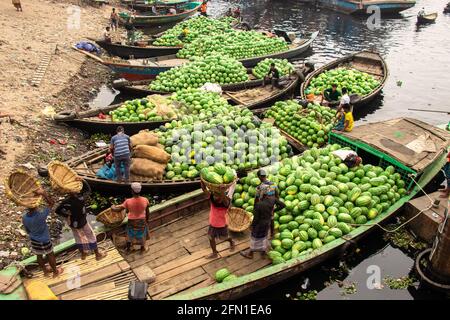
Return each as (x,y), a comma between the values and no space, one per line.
(107,279)
(40,72)
(177,255)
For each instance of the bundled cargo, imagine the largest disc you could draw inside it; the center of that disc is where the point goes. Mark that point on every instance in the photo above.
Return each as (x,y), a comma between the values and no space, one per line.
(152,153)
(147,168)
(144,137)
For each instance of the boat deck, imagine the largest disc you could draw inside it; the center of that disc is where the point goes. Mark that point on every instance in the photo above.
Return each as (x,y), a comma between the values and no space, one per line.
(107,279)
(177,255)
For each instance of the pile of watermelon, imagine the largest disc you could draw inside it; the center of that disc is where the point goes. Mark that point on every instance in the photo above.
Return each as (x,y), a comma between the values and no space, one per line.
(213,68)
(138,110)
(218,174)
(324,199)
(309,125)
(235,44)
(237,140)
(355,81)
(263,67)
(197,26)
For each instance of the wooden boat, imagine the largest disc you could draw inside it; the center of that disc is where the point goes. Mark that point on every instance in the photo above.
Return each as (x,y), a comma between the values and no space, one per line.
(178,243)
(427,18)
(365,61)
(362,7)
(145,20)
(126,51)
(143,6)
(89,121)
(141,69)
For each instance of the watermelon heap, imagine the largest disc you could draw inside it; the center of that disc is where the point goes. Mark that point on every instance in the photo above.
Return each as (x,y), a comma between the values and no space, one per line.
(324,199)
(218,174)
(214,68)
(235,44)
(263,67)
(309,125)
(139,110)
(355,81)
(198,26)
(237,140)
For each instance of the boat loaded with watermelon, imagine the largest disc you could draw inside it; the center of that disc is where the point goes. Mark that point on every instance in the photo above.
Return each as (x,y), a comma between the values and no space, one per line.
(327,205)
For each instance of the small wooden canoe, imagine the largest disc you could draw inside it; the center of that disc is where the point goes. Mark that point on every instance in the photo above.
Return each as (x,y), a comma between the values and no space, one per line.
(89,121)
(142,6)
(427,18)
(178,243)
(136,52)
(365,61)
(145,20)
(142,69)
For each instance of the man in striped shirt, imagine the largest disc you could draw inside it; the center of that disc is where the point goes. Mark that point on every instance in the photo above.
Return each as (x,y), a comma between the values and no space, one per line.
(121,149)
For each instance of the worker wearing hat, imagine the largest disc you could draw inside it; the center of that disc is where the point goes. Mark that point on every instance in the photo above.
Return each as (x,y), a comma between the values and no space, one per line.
(265,202)
(138,213)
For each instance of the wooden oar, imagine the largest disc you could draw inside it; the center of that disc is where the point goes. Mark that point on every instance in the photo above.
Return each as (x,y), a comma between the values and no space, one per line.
(425,110)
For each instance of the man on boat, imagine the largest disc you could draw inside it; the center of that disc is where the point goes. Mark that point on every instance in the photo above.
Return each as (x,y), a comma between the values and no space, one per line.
(114,20)
(229,13)
(273,76)
(345,98)
(154,10)
(237,13)
(129,27)
(138,214)
(34,221)
(262,220)
(262,176)
(73,208)
(345,118)
(331,96)
(172,10)
(107,35)
(421,12)
(446,191)
(204,8)
(218,229)
(121,149)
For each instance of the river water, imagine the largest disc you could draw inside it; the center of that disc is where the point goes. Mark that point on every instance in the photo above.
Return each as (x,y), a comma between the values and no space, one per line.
(419,64)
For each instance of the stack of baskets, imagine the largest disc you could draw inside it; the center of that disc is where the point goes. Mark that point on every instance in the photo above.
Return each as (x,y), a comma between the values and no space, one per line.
(238,220)
(111,218)
(63,178)
(20,187)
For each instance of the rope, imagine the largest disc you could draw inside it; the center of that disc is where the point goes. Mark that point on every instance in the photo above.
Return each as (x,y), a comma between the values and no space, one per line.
(406,222)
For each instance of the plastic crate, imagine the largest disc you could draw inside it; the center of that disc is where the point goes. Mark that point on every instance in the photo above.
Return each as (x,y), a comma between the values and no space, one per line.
(405,172)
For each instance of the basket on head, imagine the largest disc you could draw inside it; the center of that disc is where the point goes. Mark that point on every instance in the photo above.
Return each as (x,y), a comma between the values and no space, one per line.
(238,219)
(20,187)
(217,188)
(63,178)
(111,218)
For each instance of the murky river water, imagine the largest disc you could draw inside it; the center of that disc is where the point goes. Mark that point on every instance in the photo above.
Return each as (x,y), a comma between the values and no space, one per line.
(419,64)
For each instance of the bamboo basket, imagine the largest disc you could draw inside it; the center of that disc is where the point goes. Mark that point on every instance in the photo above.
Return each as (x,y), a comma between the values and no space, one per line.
(238,220)
(217,188)
(20,187)
(111,218)
(63,178)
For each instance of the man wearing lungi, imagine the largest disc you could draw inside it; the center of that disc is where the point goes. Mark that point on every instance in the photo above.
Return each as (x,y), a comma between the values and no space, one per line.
(73,208)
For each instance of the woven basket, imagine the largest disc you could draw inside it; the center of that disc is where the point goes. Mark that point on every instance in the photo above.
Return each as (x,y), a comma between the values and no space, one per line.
(63,178)
(20,187)
(217,188)
(111,218)
(238,219)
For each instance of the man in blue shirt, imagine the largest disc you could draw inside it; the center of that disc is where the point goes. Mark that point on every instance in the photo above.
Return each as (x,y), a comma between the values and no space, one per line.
(121,150)
(35,222)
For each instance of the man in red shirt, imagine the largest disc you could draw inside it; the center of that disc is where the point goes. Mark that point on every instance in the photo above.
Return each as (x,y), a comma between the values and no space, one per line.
(217,221)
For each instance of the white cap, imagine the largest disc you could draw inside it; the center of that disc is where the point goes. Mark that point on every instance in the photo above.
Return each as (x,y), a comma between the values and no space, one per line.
(136,187)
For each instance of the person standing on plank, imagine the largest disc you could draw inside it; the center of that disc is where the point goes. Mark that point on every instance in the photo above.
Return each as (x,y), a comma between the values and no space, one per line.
(73,208)
(34,221)
(121,149)
(218,229)
(114,20)
(262,220)
(262,176)
(138,214)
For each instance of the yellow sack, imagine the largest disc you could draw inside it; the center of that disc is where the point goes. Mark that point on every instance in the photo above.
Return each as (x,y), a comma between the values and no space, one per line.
(151,153)
(37,290)
(144,137)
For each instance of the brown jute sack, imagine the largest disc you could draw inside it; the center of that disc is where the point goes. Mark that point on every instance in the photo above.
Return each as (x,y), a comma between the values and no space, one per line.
(144,137)
(147,168)
(151,153)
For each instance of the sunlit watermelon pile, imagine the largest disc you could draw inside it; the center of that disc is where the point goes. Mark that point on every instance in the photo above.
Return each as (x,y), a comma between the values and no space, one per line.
(263,67)
(237,140)
(138,110)
(324,199)
(236,44)
(196,27)
(355,81)
(309,125)
(214,69)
